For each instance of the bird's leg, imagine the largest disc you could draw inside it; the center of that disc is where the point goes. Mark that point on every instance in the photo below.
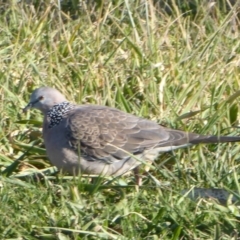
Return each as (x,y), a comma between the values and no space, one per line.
(138,177)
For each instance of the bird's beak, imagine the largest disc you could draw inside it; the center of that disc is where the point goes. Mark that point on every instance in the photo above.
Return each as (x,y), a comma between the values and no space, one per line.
(27,107)
(30,105)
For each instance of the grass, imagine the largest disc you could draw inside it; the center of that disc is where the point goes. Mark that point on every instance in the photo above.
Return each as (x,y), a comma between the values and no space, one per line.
(180,70)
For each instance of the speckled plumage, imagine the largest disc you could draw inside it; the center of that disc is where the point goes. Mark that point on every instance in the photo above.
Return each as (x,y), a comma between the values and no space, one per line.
(57,112)
(102,140)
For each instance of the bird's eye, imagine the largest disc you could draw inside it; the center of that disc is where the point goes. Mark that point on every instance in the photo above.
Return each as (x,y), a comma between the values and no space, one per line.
(40,98)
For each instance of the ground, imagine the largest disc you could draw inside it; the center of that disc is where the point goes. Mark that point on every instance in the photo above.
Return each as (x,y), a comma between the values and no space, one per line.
(181,70)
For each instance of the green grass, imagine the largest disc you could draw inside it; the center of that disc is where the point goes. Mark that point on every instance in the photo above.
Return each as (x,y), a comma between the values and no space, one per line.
(181,71)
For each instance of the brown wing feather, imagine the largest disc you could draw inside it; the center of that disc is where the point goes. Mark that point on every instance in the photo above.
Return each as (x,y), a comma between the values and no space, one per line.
(108,134)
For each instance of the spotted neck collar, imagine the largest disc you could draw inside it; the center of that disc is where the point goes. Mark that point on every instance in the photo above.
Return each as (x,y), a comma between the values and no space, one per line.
(57,112)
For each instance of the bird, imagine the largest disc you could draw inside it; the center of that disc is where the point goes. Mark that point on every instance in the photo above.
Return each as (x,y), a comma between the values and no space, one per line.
(100,140)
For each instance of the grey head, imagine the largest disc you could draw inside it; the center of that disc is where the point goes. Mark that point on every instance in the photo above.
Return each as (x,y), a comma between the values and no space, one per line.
(44,98)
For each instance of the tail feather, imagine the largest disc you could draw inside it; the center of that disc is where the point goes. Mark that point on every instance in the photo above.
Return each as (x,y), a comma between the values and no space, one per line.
(174,137)
(214,139)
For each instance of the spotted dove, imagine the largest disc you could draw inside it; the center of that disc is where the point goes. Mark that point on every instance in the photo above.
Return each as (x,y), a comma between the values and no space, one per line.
(101,140)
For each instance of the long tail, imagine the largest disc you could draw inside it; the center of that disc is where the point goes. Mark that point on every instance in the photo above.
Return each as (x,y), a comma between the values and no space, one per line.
(179,138)
(213,139)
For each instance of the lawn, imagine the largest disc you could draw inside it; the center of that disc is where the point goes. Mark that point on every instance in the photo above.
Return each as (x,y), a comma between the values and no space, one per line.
(180,70)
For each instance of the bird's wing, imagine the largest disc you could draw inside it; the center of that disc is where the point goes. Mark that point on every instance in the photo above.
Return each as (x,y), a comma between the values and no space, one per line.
(107,134)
